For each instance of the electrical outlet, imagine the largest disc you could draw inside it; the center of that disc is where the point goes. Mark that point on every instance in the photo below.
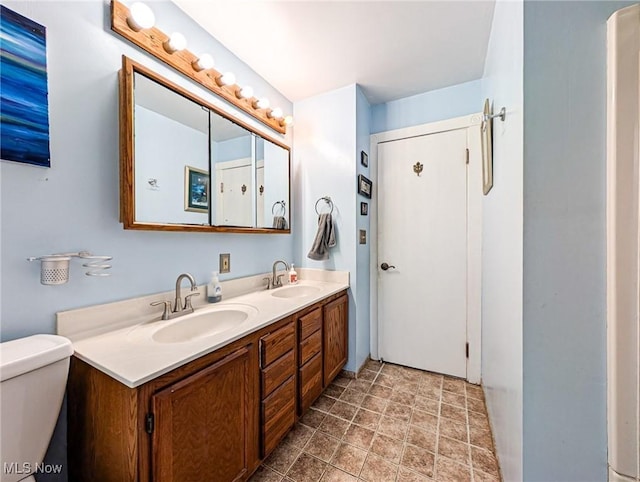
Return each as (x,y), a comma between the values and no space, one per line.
(225,262)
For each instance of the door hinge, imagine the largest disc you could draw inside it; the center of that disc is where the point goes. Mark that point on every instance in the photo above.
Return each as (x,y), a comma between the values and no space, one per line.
(222,187)
(467,350)
(467,156)
(149,423)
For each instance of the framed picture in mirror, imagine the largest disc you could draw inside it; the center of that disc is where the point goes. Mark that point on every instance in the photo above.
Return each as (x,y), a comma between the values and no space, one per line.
(364,209)
(196,190)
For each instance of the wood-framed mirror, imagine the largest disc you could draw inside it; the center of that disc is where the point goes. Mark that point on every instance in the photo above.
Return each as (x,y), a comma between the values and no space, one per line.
(187,165)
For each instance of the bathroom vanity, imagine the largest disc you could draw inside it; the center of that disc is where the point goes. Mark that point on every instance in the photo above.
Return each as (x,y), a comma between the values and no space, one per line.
(216,415)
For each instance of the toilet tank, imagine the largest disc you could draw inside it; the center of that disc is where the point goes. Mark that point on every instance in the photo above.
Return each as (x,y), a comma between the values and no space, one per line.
(33,377)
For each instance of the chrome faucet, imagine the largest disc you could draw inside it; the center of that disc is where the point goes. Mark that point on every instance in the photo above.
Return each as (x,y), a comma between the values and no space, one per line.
(276,279)
(178,308)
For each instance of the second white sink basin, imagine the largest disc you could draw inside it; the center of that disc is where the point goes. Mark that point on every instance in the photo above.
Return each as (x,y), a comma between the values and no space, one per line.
(202,323)
(294,291)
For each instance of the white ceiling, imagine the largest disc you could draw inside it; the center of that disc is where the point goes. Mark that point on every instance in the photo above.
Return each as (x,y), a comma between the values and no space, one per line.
(393,49)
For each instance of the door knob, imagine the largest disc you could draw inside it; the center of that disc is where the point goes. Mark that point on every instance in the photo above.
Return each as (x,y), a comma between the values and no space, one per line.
(385,266)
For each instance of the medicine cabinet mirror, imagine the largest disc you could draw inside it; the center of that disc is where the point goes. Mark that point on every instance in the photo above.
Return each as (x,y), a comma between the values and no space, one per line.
(185,165)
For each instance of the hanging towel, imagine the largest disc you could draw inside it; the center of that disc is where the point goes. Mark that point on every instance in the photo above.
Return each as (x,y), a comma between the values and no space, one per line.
(325,238)
(279,222)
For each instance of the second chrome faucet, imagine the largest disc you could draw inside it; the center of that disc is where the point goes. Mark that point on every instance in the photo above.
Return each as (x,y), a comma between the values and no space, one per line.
(276,279)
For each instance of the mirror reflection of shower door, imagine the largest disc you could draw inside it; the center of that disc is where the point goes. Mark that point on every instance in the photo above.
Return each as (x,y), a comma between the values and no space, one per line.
(234,193)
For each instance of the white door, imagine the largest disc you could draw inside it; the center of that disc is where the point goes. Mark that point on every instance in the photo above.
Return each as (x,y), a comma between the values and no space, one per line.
(422,236)
(234,205)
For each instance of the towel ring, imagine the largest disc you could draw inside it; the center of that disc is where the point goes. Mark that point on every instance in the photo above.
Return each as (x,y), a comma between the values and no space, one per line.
(326,199)
(282,204)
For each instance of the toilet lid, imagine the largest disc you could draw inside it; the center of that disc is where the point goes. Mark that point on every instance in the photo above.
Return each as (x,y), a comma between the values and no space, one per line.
(27,354)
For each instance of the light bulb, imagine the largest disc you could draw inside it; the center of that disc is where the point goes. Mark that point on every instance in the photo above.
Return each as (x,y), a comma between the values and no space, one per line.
(262,103)
(140,17)
(228,78)
(245,92)
(276,113)
(175,43)
(287,121)
(204,62)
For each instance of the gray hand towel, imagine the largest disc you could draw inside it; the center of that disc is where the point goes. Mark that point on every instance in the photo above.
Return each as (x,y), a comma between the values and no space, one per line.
(325,238)
(279,222)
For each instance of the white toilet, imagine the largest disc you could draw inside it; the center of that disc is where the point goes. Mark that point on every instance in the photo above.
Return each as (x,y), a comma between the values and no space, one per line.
(33,378)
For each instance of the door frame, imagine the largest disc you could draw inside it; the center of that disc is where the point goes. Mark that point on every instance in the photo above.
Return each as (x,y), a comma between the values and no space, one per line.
(471,123)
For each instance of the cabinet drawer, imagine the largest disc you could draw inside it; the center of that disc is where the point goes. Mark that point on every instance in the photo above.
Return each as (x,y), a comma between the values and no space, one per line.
(277,372)
(310,323)
(310,382)
(276,344)
(278,415)
(310,347)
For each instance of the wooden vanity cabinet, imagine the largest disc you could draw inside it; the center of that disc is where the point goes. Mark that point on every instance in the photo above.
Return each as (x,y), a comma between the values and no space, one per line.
(214,418)
(201,418)
(322,347)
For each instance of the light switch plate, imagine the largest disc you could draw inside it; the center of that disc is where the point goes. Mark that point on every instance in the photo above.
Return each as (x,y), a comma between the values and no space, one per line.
(225,262)
(363,236)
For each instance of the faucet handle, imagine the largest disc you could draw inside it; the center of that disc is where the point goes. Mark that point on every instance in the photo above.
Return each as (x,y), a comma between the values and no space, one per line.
(166,310)
(268,280)
(187,301)
(278,281)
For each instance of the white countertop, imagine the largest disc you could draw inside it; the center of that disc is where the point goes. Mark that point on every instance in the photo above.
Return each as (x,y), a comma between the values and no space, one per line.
(116,338)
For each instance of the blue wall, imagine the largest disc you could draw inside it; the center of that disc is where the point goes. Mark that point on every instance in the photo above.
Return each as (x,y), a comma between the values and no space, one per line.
(454,101)
(362,294)
(232,149)
(74,205)
(502,213)
(324,164)
(564,240)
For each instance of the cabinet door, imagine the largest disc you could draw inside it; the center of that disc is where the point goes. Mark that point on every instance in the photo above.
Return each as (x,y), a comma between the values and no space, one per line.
(335,321)
(201,424)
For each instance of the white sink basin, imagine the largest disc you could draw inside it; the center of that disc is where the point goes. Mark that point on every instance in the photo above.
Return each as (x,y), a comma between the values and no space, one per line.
(294,291)
(203,323)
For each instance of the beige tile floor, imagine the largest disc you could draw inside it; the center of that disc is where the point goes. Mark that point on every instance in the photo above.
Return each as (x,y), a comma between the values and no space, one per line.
(391,424)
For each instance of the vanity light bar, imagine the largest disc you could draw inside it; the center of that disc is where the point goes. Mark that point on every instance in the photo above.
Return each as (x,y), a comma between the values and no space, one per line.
(172,51)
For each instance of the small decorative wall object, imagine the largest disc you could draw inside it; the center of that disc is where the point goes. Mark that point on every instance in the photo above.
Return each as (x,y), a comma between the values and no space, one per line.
(363,236)
(24,122)
(365,186)
(364,159)
(364,209)
(196,190)
(417,168)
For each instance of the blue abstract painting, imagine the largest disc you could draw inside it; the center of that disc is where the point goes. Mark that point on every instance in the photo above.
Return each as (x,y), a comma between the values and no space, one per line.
(24,109)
